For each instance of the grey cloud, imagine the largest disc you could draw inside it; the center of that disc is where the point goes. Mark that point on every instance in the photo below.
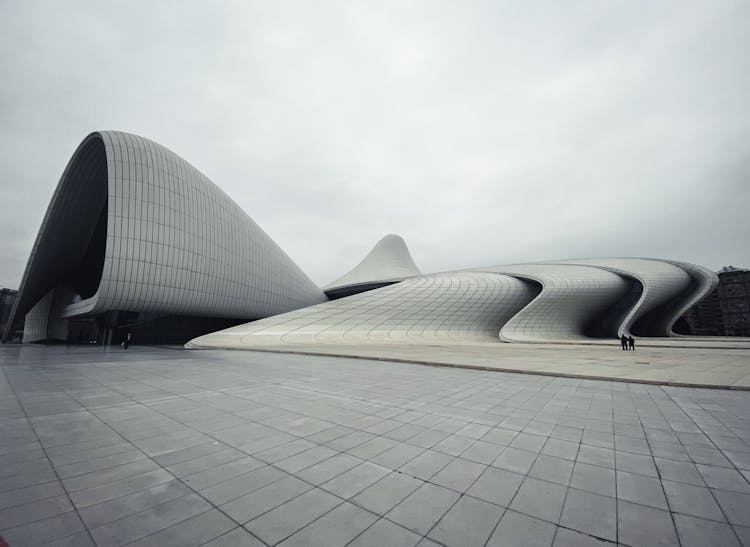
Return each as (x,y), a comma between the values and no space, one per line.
(482,132)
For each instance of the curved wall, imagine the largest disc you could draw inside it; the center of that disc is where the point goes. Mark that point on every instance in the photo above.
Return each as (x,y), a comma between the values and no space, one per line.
(66,232)
(443,307)
(132,227)
(535,303)
(703,283)
(571,298)
(174,242)
(388,262)
(660,282)
(177,244)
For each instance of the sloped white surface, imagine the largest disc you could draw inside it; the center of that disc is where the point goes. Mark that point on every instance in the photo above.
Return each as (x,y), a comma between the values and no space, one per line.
(458,306)
(571,297)
(389,260)
(661,281)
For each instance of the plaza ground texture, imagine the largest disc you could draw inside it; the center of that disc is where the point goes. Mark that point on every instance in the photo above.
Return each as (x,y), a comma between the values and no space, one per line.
(166,446)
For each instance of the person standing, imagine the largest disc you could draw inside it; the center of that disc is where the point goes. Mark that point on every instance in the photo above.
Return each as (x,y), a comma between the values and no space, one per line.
(624,342)
(128,338)
(631,343)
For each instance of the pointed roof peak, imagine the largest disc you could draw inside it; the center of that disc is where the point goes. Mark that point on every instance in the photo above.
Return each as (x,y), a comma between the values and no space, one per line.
(389,260)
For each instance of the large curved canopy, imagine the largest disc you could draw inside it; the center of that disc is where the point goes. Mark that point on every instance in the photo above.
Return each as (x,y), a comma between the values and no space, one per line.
(388,262)
(541,302)
(443,307)
(703,282)
(572,297)
(660,282)
(132,226)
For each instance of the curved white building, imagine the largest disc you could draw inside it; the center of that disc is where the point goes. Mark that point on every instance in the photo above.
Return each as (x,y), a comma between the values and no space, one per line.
(388,262)
(573,303)
(659,283)
(132,227)
(454,307)
(570,301)
(702,283)
(136,240)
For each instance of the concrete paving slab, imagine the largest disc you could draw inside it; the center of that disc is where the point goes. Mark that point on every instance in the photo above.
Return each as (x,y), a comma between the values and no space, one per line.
(678,362)
(199,443)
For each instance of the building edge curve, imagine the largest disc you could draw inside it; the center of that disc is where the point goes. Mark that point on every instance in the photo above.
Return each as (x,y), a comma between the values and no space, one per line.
(170,242)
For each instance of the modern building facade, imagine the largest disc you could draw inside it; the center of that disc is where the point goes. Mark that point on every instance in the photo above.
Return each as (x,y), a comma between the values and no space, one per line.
(7,299)
(725,311)
(387,263)
(568,301)
(136,240)
(734,299)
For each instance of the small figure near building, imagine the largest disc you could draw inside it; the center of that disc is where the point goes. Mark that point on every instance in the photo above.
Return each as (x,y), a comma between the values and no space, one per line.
(127,341)
(631,343)
(624,342)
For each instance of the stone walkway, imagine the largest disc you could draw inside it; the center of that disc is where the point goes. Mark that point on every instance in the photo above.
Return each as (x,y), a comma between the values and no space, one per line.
(697,364)
(172,447)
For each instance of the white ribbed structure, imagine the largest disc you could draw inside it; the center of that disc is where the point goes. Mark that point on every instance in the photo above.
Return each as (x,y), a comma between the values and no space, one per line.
(660,282)
(443,307)
(704,281)
(134,227)
(541,302)
(389,261)
(571,298)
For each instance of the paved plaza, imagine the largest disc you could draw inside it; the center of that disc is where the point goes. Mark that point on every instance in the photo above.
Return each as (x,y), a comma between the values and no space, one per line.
(691,362)
(160,447)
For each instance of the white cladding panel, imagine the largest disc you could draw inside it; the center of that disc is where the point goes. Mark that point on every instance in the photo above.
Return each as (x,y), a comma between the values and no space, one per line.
(442,307)
(389,260)
(177,244)
(660,280)
(571,297)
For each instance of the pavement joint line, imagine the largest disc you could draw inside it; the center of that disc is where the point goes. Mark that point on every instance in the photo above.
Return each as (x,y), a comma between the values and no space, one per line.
(489,368)
(523,417)
(49,461)
(710,490)
(147,456)
(272,465)
(218,440)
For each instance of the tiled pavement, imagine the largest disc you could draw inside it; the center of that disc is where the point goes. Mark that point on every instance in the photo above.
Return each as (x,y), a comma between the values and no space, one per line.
(656,361)
(172,447)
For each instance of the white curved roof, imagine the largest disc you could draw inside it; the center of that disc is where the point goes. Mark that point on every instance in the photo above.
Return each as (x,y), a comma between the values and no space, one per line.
(457,307)
(389,260)
(571,298)
(134,227)
(660,282)
(704,281)
(540,302)
(170,242)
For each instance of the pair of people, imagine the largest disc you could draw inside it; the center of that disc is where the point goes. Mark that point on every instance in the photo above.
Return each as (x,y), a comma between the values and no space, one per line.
(628,343)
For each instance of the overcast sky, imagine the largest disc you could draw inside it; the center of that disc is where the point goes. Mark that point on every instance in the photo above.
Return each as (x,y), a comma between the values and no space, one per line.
(482,132)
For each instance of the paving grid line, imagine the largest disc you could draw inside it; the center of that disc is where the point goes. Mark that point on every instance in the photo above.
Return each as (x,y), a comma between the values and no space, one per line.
(196,491)
(343,500)
(710,490)
(169,416)
(323,392)
(146,456)
(54,469)
(433,363)
(529,515)
(617,498)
